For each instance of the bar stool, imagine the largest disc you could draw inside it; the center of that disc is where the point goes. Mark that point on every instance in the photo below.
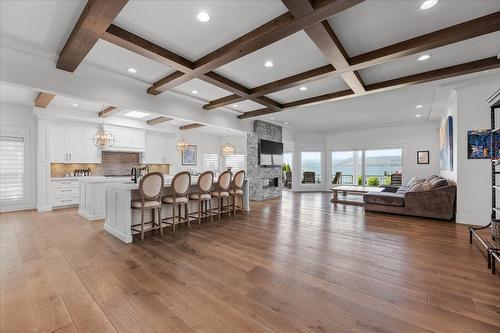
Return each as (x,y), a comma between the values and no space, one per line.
(223,183)
(180,190)
(237,190)
(150,187)
(203,197)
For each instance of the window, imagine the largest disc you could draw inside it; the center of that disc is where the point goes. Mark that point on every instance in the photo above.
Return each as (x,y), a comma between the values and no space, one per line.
(367,167)
(11,169)
(236,162)
(288,159)
(210,162)
(310,167)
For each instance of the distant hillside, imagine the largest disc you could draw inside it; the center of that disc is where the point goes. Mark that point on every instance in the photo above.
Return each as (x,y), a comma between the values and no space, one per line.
(374,160)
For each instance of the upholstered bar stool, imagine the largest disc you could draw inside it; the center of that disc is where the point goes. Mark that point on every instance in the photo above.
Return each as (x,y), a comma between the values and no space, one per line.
(180,192)
(203,197)
(222,191)
(150,187)
(236,192)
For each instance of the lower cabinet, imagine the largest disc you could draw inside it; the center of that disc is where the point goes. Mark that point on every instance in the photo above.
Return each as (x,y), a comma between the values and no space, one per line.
(92,200)
(65,193)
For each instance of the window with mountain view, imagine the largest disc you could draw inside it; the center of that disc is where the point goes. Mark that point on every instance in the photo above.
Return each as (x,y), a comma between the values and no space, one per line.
(310,167)
(369,167)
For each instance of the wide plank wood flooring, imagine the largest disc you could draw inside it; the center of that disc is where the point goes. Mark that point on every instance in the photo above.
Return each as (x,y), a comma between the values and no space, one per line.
(295,264)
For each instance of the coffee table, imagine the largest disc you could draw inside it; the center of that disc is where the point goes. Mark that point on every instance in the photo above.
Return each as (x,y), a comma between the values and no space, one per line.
(352,189)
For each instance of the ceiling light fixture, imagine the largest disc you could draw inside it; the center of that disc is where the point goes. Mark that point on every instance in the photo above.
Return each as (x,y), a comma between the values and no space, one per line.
(424,57)
(428,4)
(132,70)
(136,114)
(269,63)
(272,118)
(419,106)
(286,122)
(303,88)
(203,17)
(235,105)
(418,115)
(74,104)
(194,92)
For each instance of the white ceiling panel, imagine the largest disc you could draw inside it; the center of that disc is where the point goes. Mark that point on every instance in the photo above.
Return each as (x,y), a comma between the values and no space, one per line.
(206,91)
(315,88)
(67,102)
(117,59)
(291,55)
(173,24)
(17,95)
(454,54)
(245,106)
(374,24)
(42,23)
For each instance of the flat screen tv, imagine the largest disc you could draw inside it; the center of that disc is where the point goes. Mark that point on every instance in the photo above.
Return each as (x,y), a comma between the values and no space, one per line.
(270,153)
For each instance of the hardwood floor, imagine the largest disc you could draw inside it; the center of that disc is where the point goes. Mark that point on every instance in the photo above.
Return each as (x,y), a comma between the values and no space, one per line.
(298,264)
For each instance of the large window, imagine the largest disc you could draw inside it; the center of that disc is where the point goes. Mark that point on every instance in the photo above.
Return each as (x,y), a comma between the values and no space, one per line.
(211,162)
(310,167)
(11,169)
(235,162)
(368,167)
(288,159)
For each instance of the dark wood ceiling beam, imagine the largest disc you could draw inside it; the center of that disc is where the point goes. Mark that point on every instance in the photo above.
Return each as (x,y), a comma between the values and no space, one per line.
(108,111)
(158,120)
(456,33)
(96,17)
(434,75)
(272,31)
(43,99)
(191,126)
(139,45)
(328,43)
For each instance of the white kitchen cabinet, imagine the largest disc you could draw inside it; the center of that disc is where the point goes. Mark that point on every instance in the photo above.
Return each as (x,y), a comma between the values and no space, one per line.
(160,149)
(65,193)
(127,139)
(72,144)
(92,199)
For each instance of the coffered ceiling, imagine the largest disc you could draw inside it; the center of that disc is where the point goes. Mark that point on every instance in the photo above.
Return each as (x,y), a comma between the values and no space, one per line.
(360,26)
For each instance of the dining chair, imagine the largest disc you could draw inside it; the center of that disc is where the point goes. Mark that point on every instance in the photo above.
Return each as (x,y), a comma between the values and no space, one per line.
(150,188)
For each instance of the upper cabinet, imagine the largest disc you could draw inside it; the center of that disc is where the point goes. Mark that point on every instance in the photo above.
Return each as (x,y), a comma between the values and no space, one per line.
(160,149)
(72,144)
(128,139)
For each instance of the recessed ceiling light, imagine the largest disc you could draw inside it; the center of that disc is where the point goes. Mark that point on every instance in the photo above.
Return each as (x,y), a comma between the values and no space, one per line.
(428,4)
(419,106)
(203,17)
(132,70)
(286,122)
(424,57)
(194,92)
(74,104)
(235,105)
(303,88)
(418,115)
(272,118)
(136,114)
(269,63)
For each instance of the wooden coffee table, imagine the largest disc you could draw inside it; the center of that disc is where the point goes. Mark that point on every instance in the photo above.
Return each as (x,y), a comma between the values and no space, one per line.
(351,189)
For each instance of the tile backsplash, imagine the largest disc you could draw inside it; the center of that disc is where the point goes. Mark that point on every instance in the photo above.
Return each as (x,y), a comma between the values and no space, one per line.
(113,163)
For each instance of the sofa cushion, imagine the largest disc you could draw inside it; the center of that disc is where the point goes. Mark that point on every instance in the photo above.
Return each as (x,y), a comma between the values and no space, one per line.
(421,187)
(438,182)
(385,198)
(402,190)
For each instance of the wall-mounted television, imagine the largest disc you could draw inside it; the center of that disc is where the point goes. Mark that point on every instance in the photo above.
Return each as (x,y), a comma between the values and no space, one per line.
(270,153)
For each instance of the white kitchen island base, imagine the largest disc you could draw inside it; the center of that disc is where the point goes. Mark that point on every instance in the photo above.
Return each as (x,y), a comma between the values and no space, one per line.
(120,216)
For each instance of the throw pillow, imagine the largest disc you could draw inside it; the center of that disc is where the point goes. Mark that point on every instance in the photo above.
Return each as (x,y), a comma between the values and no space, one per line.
(437,183)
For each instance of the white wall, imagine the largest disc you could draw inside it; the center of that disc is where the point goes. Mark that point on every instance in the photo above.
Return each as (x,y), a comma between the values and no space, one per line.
(18,120)
(412,138)
(473,176)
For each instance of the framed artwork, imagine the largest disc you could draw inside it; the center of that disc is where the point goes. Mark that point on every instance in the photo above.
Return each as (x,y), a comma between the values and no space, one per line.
(423,157)
(446,144)
(482,144)
(189,155)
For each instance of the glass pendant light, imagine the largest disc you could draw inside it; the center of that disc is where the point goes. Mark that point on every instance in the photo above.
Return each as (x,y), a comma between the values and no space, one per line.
(227,148)
(181,145)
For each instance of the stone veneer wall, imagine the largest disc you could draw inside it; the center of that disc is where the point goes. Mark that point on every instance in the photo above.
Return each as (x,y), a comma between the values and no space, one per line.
(256,173)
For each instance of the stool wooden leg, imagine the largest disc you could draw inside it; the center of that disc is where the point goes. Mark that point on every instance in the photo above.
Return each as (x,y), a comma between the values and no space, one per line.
(186,212)
(142,224)
(159,220)
(219,202)
(200,204)
(173,218)
(210,209)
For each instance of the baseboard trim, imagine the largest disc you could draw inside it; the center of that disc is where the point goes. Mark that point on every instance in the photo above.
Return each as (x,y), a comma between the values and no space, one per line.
(44,209)
(90,217)
(479,220)
(124,238)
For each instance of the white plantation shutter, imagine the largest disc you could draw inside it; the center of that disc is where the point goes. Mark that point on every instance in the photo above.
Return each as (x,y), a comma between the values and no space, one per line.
(236,162)
(11,169)
(210,162)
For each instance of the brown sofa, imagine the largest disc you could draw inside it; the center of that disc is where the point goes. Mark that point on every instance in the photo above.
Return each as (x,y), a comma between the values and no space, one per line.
(431,197)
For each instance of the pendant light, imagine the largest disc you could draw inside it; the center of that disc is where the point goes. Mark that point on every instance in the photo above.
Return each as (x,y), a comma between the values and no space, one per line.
(102,138)
(181,144)
(227,148)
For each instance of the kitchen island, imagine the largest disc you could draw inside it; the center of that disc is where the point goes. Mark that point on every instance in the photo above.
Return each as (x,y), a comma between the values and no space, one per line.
(119,215)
